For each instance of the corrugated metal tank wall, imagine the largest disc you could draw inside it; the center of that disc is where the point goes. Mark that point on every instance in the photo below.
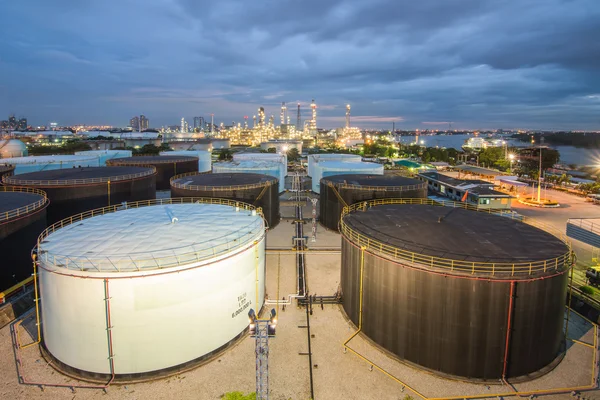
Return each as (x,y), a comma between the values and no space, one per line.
(453,325)
(331,207)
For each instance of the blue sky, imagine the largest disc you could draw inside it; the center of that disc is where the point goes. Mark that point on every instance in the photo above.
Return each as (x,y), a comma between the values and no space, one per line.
(478,64)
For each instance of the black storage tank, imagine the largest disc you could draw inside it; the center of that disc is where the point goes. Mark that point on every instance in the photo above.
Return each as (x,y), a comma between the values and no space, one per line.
(6,170)
(256,189)
(76,190)
(455,291)
(166,166)
(340,190)
(22,219)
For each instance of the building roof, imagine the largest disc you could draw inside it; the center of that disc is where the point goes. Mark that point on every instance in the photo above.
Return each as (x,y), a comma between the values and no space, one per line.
(478,170)
(474,186)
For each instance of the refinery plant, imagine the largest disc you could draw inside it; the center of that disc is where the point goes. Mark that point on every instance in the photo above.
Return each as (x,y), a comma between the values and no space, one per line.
(248,258)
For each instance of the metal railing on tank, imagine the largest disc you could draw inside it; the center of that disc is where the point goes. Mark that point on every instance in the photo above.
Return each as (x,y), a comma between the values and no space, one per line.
(217,187)
(14,180)
(344,185)
(186,255)
(156,160)
(559,263)
(17,212)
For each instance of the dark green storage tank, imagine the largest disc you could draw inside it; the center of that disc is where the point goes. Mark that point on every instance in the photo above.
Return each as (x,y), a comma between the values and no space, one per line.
(462,293)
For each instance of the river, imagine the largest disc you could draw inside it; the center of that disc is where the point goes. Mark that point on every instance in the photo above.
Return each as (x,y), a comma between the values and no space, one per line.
(568,154)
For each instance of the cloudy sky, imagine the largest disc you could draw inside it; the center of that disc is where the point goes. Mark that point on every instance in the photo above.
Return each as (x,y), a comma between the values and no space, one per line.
(475,63)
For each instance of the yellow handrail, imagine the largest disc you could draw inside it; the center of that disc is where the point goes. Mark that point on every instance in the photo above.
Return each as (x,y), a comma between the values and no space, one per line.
(126,263)
(14,180)
(217,187)
(559,263)
(13,289)
(17,212)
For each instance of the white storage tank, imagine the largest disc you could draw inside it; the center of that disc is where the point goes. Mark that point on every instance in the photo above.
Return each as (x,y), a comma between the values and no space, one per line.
(44,163)
(220,143)
(105,155)
(12,148)
(329,168)
(204,157)
(253,167)
(172,279)
(282,146)
(273,157)
(314,159)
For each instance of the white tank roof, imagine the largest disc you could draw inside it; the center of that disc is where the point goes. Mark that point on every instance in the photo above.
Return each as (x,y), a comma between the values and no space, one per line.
(47,159)
(151,237)
(248,164)
(348,166)
(101,152)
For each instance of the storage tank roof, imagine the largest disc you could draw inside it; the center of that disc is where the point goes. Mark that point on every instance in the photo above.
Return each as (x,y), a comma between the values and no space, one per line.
(47,159)
(80,176)
(15,202)
(100,152)
(152,237)
(249,164)
(460,235)
(223,180)
(151,160)
(362,180)
(344,165)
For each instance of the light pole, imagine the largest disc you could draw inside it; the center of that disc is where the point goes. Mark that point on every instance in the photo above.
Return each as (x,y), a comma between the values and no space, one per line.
(511,157)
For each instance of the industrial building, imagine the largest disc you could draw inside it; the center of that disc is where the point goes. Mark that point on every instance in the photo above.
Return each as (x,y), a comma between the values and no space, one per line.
(105,155)
(458,292)
(22,219)
(473,191)
(339,191)
(166,166)
(204,157)
(324,169)
(253,167)
(256,189)
(171,282)
(43,163)
(76,190)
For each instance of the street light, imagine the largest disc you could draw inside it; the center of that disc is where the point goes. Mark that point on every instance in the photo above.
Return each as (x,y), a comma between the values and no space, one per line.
(511,157)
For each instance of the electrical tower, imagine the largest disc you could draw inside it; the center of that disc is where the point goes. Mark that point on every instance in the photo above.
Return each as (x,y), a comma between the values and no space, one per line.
(262,329)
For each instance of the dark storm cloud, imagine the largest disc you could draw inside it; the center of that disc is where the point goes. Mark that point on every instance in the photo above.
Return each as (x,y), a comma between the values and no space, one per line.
(479,64)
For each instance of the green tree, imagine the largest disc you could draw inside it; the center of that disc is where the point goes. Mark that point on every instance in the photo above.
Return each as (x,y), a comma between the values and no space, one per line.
(293,155)
(225,155)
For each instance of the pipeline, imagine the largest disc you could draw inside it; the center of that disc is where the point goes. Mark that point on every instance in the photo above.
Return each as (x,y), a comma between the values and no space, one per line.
(14,330)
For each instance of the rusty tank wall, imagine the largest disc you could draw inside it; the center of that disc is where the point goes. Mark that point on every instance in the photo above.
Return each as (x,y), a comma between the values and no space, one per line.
(166,166)
(249,188)
(354,188)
